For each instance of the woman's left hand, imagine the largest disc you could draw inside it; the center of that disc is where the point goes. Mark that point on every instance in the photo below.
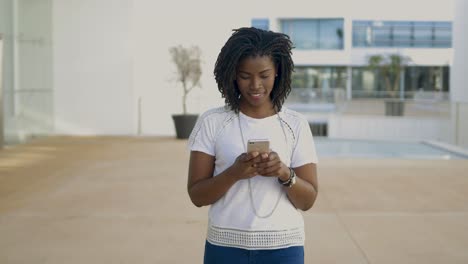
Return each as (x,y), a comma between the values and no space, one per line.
(271,165)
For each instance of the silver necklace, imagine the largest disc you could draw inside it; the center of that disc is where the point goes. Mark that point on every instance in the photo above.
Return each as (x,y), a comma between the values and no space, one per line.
(249,183)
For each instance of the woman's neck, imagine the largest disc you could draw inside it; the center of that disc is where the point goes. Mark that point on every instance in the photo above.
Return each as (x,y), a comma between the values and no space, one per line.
(258,112)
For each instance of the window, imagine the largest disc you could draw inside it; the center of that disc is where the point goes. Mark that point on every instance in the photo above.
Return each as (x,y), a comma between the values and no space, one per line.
(314,77)
(314,33)
(402,34)
(261,23)
(427,78)
(382,34)
(367,83)
(442,34)
(370,84)
(319,129)
(312,83)
(422,36)
(362,32)
(416,34)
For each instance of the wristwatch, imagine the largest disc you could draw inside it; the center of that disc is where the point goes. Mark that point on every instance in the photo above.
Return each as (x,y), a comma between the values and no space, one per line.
(291,181)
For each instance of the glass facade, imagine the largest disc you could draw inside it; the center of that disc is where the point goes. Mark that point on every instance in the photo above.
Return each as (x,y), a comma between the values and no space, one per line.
(367,83)
(410,34)
(26,27)
(311,83)
(370,84)
(315,33)
(427,78)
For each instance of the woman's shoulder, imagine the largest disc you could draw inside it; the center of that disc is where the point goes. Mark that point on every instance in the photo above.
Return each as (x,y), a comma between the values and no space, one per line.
(293,116)
(211,122)
(220,110)
(217,114)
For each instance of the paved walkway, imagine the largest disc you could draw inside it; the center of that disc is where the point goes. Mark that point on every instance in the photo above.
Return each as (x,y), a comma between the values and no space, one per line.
(123,200)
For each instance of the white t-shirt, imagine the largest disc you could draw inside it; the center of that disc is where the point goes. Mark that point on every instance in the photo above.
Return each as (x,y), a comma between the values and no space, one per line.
(232,219)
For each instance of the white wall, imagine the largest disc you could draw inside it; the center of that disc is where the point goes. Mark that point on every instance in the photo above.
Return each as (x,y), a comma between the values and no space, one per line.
(158,26)
(460,117)
(389,128)
(1,93)
(459,74)
(459,71)
(93,67)
(419,56)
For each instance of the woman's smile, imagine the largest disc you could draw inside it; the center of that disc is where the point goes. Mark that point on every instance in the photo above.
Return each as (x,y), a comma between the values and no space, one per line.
(257,94)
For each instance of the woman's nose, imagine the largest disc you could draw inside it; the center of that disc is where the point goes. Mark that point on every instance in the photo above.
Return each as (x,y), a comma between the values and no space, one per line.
(256,83)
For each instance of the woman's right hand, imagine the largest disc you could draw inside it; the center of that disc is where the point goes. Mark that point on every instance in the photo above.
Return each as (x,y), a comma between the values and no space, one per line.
(244,166)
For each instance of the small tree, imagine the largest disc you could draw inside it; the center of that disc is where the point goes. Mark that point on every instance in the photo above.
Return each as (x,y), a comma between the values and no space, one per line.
(189,71)
(390,67)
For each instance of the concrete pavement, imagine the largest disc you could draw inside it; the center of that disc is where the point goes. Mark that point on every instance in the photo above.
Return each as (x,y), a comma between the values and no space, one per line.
(124,200)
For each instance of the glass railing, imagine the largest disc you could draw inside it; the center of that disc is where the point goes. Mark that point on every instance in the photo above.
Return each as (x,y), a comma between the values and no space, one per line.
(308,95)
(332,95)
(419,103)
(417,95)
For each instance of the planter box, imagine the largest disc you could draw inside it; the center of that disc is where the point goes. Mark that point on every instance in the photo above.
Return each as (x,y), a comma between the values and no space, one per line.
(394,107)
(184,125)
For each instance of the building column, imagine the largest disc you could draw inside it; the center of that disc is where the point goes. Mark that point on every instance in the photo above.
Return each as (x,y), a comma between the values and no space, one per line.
(459,76)
(349,81)
(402,84)
(2,134)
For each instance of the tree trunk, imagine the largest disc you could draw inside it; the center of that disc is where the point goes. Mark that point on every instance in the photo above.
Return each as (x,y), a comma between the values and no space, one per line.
(396,84)
(388,85)
(184,99)
(184,105)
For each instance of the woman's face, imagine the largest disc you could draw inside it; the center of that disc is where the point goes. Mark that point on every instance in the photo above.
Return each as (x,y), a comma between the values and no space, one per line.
(255,79)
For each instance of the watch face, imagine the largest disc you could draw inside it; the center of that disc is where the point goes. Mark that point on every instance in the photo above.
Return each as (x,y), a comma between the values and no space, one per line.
(293,180)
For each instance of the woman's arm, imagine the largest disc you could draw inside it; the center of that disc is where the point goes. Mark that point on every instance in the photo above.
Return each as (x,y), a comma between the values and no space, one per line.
(304,192)
(203,188)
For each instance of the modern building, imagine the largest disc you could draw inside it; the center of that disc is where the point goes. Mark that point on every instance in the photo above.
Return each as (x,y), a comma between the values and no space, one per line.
(344,97)
(332,53)
(103,68)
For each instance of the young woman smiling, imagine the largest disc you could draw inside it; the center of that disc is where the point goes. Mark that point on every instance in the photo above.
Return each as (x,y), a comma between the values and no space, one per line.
(254,197)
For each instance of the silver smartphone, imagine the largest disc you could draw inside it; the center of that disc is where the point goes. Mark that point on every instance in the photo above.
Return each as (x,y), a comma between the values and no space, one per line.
(258,145)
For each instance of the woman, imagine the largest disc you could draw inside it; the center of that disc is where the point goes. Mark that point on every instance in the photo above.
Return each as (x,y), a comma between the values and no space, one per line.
(254,196)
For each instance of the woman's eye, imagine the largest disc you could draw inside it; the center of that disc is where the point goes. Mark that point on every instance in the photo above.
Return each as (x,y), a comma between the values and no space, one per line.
(265,76)
(244,77)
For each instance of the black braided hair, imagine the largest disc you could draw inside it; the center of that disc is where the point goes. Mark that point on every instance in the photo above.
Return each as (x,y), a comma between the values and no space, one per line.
(251,42)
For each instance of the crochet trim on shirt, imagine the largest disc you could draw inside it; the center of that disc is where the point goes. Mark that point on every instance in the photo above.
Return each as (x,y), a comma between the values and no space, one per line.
(255,240)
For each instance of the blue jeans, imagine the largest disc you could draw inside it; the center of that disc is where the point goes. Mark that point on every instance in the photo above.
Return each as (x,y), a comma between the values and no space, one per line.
(227,255)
